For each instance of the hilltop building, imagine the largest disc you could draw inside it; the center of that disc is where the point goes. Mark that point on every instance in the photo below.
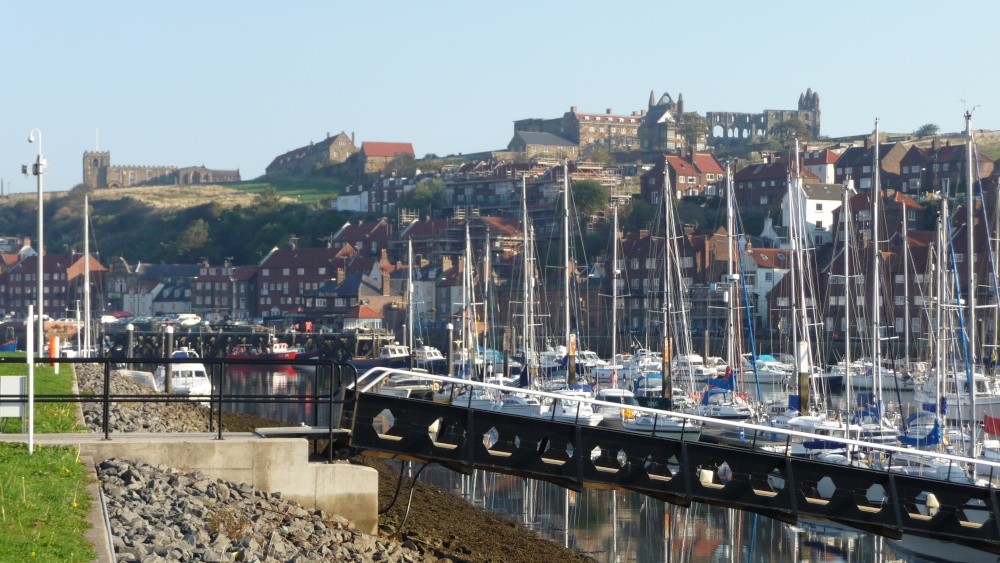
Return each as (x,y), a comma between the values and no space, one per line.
(314,156)
(756,127)
(98,172)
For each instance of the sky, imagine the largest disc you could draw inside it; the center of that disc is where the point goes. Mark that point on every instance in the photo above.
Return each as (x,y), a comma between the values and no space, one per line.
(230,85)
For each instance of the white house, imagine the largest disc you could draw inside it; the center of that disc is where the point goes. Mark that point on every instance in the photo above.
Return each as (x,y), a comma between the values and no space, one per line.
(768,266)
(816,203)
(821,163)
(354,198)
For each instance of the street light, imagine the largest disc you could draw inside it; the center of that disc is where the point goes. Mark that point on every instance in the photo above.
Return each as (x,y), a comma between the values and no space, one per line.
(38,169)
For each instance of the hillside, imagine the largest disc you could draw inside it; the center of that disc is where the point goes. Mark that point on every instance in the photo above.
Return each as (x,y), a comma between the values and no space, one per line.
(177,224)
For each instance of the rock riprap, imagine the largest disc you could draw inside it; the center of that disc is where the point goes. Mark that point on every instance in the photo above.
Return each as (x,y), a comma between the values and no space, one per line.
(161,514)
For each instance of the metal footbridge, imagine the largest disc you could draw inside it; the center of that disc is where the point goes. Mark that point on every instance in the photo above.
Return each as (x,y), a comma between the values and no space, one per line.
(680,471)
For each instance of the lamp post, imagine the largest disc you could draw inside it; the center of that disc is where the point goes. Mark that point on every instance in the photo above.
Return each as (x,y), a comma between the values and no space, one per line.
(38,170)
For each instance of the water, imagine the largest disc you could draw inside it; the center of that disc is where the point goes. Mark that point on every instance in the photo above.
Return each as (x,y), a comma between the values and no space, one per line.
(619,527)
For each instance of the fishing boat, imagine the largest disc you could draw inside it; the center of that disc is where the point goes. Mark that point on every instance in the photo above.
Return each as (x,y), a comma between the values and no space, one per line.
(274,350)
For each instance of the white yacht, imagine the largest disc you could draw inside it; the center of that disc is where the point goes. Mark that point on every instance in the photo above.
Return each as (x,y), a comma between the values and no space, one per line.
(186,378)
(575,411)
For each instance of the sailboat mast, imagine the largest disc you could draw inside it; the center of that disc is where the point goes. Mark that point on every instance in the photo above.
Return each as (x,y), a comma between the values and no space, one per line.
(876,274)
(906,293)
(668,227)
(568,275)
(846,214)
(86,275)
(971,264)
(731,356)
(799,316)
(614,300)
(409,294)
(486,292)
(527,317)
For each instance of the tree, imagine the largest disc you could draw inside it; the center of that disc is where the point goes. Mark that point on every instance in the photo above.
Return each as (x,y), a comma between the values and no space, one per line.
(191,239)
(788,131)
(927,130)
(589,197)
(637,216)
(692,127)
(600,155)
(425,197)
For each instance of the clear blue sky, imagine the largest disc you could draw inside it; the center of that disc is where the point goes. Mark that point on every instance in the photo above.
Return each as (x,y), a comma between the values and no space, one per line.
(234,84)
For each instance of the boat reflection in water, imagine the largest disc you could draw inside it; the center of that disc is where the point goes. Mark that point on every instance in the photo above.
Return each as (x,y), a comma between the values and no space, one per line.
(614,526)
(277,382)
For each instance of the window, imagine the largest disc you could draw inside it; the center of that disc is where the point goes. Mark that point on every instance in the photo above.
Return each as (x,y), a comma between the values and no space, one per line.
(301,271)
(635,284)
(768,276)
(944,167)
(680,179)
(266,272)
(819,224)
(900,300)
(819,207)
(691,180)
(783,302)
(866,169)
(635,263)
(763,200)
(840,171)
(959,257)
(709,177)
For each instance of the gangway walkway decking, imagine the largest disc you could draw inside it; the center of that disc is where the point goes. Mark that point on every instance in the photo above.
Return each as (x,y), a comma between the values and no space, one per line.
(773,484)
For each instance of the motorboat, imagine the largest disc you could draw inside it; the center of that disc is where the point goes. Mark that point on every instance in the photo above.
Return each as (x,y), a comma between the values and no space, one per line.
(430,359)
(575,411)
(187,378)
(612,416)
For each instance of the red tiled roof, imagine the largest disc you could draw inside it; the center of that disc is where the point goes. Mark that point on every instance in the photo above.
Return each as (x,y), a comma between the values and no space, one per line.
(707,163)
(770,257)
(362,312)
(501,226)
(387,150)
(680,165)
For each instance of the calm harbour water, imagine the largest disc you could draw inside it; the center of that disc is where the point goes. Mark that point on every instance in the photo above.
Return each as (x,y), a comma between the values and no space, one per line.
(616,527)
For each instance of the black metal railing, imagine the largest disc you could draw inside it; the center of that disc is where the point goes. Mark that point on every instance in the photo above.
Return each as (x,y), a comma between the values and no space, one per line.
(333,381)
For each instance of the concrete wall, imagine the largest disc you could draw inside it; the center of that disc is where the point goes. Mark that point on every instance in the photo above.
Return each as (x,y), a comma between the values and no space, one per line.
(272,465)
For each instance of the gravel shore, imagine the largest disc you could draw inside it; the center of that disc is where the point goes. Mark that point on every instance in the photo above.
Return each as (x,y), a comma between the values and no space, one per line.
(160,514)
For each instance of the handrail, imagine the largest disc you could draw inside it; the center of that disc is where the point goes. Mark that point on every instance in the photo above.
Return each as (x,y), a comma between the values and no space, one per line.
(216,368)
(381,372)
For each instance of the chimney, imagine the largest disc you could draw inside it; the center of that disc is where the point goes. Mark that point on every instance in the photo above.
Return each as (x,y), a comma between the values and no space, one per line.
(352,137)
(935,144)
(572,109)
(608,111)
(340,276)
(386,283)
(445,263)
(868,142)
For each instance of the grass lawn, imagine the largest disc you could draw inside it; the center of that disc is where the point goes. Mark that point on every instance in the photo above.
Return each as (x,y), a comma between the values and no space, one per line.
(43,499)
(43,504)
(50,418)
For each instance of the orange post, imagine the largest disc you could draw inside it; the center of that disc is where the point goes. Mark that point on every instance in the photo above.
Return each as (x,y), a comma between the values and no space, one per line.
(54,350)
